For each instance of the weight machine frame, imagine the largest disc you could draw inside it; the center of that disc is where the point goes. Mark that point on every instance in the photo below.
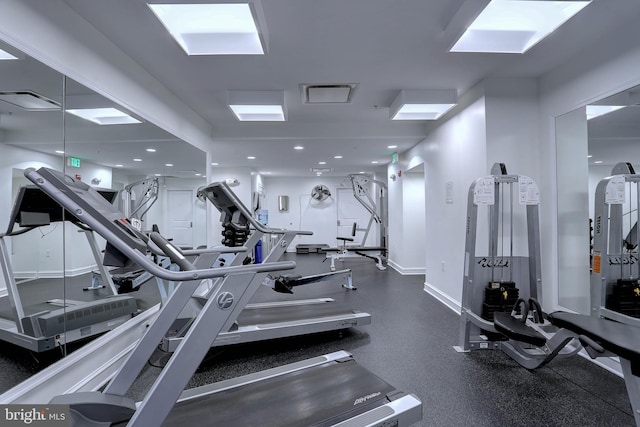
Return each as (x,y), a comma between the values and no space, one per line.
(612,250)
(477,333)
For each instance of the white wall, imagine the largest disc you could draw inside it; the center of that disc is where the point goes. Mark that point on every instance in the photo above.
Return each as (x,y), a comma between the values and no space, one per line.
(411,259)
(607,68)
(159,212)
(454,154)
(39,253)
(304,213)
(573,203)
(495,122)
(512,138)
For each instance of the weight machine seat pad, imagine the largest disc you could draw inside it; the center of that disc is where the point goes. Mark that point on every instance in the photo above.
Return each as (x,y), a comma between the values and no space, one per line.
(618,338)
(517,330)
(355,249)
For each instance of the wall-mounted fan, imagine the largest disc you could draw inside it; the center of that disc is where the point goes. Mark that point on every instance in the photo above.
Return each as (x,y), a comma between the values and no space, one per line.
(320,193)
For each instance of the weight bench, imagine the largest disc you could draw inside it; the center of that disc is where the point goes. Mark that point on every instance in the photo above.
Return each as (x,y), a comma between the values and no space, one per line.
(599,337)
(345,251)
(606,338)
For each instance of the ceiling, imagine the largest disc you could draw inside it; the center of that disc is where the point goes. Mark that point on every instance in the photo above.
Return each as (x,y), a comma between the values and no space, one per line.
(381,46)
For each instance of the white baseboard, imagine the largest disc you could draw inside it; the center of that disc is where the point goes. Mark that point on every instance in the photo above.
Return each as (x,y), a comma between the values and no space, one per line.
(55,274)
(442,297)
(611,364)
(406,270)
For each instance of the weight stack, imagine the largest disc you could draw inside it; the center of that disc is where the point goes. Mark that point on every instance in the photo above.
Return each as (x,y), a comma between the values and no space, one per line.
(499,296)
(625,297)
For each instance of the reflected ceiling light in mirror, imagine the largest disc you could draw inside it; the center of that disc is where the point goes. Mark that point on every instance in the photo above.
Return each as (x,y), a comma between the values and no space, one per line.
(104,116)
(4,55)
(514,26)
(168,165)
(258,106)
(213,29)
(29,100)
(150,150)
(422,104)
(594,111)
(214,164)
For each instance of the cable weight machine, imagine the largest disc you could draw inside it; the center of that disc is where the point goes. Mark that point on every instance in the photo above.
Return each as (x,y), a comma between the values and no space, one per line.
(502,274)
(615,273)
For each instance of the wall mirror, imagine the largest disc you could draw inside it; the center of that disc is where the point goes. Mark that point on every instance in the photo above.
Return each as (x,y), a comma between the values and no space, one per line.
(46,119)
(590,141)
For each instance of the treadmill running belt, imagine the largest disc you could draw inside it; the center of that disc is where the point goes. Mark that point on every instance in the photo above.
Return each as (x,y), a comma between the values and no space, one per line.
(280,314)
(317,396)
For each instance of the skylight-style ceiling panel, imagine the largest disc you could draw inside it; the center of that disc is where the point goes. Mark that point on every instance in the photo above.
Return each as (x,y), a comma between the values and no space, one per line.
(514,26)
(211,29)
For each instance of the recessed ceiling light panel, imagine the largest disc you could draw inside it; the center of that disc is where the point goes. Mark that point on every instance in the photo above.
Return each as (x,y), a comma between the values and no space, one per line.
(422,104)
(258,106)
(514,26)
(104,116)
(4,55)
(594,111)
(258,113)
(211,29)
(422,111)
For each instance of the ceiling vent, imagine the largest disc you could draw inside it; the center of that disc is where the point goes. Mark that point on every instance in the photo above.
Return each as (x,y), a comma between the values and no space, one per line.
(29,100)
(327,94)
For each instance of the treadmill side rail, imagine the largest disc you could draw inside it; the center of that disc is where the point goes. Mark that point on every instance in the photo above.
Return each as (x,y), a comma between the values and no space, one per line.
(404,411)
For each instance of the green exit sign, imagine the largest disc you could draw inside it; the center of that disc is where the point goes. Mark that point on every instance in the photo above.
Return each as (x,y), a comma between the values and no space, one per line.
(74,162)
(394,157)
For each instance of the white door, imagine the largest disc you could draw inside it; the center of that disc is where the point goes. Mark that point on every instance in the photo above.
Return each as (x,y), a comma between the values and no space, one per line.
(350,212)
(180,204)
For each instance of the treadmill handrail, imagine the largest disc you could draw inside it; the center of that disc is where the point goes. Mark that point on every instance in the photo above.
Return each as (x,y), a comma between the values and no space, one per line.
(208,190)
(216,250)
(83,214)
(178,276)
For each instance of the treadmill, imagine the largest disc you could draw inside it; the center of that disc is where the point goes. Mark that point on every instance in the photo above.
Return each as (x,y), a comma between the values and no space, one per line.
(326,390)
(264,321)
(46,326)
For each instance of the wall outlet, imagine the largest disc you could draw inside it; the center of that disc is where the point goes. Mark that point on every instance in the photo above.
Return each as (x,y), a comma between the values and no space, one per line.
(442,263)
(47,253)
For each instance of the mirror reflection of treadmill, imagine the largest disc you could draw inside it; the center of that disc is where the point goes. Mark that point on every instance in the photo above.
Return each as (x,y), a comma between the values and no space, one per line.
(46,324)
